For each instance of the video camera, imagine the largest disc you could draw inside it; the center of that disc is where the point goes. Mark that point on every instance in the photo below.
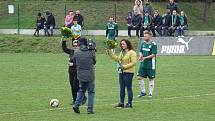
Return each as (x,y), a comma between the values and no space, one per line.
(91,45)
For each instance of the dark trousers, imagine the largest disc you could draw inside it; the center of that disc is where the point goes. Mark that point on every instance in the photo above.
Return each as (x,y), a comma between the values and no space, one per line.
(142,29)
(46,30)
(125,81)
(39,26)
(74,83)
(90,86)
(158,29)
(133,28)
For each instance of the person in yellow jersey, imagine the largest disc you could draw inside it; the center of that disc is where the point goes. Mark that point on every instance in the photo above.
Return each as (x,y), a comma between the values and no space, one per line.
(127,60)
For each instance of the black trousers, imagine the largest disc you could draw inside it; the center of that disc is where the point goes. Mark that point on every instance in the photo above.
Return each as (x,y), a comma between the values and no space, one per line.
(133,28)
(158,29)
(74,83)
(142,29)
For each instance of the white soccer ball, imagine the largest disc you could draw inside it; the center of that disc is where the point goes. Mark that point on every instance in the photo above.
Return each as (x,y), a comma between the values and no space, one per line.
(54,103)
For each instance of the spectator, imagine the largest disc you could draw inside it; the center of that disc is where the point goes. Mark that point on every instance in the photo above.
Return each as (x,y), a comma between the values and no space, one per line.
(183,25)
(85,63)
(79,18)
(157,24)
(135,24)
(111,30)
(165,20)
(49,24)
(39,24)
(173,23)
(145,23)
(129,18)
(148,7)
(76,29)
(69,19)
(172,5)
(138,7)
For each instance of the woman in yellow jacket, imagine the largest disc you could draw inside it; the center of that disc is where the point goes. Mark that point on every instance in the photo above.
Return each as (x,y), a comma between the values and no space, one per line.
(127,60)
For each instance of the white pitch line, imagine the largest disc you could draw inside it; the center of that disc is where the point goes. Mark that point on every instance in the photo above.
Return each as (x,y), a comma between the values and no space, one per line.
(159,99)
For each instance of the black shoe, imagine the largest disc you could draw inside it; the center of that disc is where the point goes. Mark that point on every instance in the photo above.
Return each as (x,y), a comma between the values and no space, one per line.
(128,105)
(76,110)
(84,100)
(120,105)
(91,112)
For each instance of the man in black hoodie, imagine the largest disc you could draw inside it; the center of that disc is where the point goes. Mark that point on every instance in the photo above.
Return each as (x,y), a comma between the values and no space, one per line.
(173,23)
(49,24)
(135,24)
(79,18)
(74,82)
(85,59)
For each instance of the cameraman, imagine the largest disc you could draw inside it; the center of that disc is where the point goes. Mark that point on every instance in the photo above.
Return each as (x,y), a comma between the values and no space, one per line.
(85,59)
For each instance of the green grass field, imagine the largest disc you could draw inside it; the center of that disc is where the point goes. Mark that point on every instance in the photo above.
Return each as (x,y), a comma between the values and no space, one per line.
(95,12)
(184,90)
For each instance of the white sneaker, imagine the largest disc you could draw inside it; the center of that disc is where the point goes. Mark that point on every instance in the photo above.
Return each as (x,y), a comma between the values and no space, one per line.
(182,36)
(150,95)
(179,36)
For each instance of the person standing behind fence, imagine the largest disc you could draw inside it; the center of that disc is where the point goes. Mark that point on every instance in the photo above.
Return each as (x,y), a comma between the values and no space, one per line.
(172,5)
(69,19)
(183,24)
(148,7)
(138,7)
(39,24)
(49,24)
(76,29)
(79,18)
(111,29)
(135,24)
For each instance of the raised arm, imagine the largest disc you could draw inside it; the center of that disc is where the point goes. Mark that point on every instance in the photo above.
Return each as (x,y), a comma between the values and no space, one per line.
(65,48)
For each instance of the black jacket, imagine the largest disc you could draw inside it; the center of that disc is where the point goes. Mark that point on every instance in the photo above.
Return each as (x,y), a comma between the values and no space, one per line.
(70,52)
(169,21)
(80,19)
(85,61)
(185,22)
(149,20)
(157,21)
(173,6)
(136,20)
(50,20)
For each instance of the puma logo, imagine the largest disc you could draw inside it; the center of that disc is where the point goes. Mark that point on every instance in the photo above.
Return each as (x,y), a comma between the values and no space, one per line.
(181,40)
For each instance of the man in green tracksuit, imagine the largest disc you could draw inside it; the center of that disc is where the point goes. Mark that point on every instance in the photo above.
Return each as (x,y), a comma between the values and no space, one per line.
(111,30)
(147,57)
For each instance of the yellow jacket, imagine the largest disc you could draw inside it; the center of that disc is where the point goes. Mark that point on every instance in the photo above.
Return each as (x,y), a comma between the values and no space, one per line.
(129,60)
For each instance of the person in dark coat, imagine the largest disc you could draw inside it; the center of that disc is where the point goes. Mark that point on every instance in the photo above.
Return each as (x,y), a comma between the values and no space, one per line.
(49,24)
(85,61)
(39,24)
(165,22)
(173,23)
(74,82)
(172,5)
(135,24)
(157,24)
(79,18)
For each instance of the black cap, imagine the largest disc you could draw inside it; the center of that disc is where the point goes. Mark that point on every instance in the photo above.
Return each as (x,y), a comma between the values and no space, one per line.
(82,41)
